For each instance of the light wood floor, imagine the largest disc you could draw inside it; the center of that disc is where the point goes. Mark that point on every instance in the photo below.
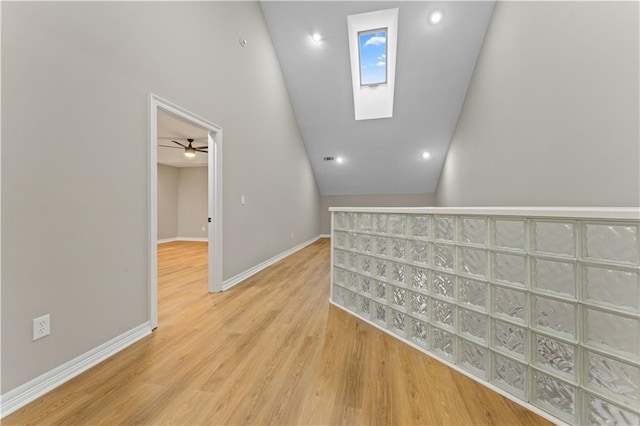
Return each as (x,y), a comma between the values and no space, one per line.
(269,351)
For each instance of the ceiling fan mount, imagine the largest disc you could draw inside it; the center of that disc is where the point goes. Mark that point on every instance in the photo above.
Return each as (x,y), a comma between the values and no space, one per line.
(189,150)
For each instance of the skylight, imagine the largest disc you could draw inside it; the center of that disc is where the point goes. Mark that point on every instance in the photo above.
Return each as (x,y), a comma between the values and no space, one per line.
(372,48)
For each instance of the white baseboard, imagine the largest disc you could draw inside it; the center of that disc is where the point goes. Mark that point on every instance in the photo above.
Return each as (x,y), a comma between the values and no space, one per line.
(325,235)
(170,240)
(24,394)
(227,284)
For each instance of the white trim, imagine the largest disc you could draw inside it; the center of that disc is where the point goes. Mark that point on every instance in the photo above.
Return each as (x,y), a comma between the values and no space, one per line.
(24,394)
(167,240)
(622,213)
(259,267)
(486,384)
(215,198)
(325,236)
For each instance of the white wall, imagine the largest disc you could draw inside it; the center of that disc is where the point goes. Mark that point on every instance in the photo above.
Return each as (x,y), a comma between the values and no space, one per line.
(551,116)
(76,77)
(192,202)
(167,202)
(380,200)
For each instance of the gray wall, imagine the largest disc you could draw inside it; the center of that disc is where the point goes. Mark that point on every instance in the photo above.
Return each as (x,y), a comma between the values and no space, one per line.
(192,202)
(551,115)
(76,77)
(167,202)
(382,200)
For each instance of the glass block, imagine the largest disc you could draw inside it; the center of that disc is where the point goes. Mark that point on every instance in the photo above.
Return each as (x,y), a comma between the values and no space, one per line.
(419,278)
(349,299)
(442,342)
(419,331)
(364,222)
(397,248)
(352,260)
(443,284)
(556,355)
(380,246)
(381,313)
(553,237)
(509,337)
(611,376)
(443,313)
(473,323)
(398,272)
(338,220)
(380,290)
(419,304)
(473,293)
(365,265)
(365,285)
(339,257)
(555,315)
(339,275)
(474,356)
(618,243)
(365,243)
(613,332)
(419,252)
(555,393)
(444,227)
(397,224)
(398,321)
(555,277)
(474,231)
(399,296)
(443,256)
(473,262)
(350,221)
(614,287)
(340,239)
(419,226)
(352,280)
(509,268)
(508,234)
(510,374)
(338,295)
(352,241)
(363,306)
(600,412)
(380,223)
(509,302)
(380,270)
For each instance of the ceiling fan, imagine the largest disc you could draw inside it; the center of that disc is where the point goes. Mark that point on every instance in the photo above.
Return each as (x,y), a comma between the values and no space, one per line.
(190,150)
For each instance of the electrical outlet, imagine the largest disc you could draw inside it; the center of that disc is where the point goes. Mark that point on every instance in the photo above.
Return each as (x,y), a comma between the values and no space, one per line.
(292,235)
(203,229)
(41,327)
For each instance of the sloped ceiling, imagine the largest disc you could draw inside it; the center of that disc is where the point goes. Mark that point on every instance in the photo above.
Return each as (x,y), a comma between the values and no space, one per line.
(434,67)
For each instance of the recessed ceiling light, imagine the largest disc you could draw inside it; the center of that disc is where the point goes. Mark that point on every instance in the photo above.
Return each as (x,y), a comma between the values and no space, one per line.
(340,160)
(426,155)
(316,37)
(435,17)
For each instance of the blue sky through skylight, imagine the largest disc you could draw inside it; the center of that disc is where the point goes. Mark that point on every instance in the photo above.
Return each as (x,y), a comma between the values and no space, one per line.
(373,56)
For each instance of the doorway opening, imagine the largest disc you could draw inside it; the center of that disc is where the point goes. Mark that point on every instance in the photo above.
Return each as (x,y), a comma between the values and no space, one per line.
(171,128)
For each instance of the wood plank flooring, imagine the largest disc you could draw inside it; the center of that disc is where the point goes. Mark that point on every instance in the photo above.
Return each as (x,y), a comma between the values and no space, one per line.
(271,350)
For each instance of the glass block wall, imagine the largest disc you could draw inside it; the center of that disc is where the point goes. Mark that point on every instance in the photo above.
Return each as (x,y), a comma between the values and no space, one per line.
(546,309)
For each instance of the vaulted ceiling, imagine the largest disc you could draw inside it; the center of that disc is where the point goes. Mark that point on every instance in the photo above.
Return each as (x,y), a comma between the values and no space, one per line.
(434,66)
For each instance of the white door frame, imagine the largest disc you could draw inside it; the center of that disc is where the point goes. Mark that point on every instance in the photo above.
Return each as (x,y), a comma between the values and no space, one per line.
(214,166)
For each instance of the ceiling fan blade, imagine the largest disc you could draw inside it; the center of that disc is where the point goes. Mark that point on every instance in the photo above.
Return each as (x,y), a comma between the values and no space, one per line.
(203,149)
(168,146)
(184,146)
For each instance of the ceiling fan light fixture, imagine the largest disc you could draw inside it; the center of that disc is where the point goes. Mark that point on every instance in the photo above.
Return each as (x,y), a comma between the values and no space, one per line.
(189,152)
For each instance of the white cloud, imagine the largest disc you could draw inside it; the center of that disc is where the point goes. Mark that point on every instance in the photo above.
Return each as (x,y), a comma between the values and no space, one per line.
(381,57)
(381,63)
(375,40)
